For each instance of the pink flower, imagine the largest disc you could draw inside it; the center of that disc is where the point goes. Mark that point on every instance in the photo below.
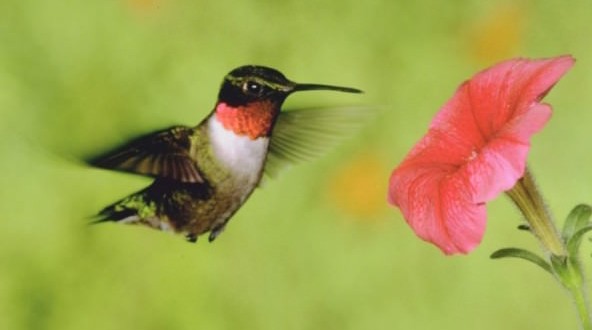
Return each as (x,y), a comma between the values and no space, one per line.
(476,148)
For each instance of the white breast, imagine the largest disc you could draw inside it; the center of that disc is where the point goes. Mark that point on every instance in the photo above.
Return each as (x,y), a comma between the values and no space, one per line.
(241,155)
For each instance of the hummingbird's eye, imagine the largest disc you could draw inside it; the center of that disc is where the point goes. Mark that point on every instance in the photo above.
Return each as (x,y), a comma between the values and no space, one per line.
(252,88)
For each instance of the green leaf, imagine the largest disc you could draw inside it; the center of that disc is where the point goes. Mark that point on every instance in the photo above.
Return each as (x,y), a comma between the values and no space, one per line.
(578,218)
(560,266)
(573,244)
(522,254)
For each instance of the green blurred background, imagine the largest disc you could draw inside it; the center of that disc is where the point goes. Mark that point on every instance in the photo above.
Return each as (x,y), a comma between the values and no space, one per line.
(318,248)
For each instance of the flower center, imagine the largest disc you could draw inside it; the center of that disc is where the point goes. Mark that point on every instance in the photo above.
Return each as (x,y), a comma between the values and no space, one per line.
(473,155)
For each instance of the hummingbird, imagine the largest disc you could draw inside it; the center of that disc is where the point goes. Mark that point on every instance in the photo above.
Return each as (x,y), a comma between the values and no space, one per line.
(205,173)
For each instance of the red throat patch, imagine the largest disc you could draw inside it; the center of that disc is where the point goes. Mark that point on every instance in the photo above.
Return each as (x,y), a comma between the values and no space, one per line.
(253,120)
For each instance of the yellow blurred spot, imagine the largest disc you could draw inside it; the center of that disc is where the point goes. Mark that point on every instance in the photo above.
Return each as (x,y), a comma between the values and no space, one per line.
(498,34)
(359,187)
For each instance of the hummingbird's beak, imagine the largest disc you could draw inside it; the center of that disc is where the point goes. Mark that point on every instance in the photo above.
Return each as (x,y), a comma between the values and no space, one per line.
(314,87)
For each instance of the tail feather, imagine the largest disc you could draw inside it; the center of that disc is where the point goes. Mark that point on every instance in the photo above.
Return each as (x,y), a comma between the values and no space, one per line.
(114,213)
(130,209)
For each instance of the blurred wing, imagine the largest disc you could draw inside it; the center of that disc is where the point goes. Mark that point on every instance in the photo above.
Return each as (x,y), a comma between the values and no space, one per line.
(301,135)
(162,154)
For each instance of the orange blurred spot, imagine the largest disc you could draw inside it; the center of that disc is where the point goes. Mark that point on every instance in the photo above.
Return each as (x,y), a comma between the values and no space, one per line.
(359,187)
(498,34)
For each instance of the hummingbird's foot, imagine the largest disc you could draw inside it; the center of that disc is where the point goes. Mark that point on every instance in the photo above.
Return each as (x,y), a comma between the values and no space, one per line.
(191,237)
(216,231)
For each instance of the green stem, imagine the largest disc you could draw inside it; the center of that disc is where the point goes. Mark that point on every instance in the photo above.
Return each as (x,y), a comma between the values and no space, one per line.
(579,297)
(570,274)
(530,202)
(577,288)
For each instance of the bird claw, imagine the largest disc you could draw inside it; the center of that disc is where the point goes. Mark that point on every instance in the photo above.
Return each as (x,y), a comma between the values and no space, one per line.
(216,232)
(191,238)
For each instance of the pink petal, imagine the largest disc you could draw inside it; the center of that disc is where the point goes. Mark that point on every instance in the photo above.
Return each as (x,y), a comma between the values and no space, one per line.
(475,149)
(503,160)
(439,208)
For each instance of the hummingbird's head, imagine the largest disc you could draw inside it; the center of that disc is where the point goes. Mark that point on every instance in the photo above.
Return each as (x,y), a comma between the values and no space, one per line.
(251,97)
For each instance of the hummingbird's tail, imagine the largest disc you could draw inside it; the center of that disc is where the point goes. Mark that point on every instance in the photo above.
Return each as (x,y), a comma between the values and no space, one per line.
(164,205)
(131,209)
(115,213)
